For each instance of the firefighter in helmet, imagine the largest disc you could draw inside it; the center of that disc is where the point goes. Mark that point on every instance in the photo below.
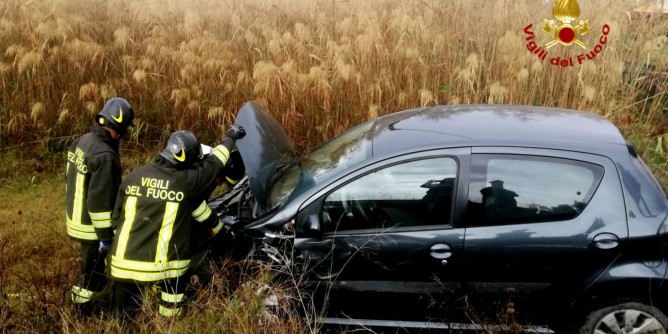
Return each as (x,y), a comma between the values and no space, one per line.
(155,209)
(93,175)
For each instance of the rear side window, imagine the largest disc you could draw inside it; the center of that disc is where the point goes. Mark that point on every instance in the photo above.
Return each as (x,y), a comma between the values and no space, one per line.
(512,189)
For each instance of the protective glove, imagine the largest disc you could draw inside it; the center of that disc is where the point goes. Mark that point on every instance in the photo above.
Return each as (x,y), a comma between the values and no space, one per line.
(105,245)
(235,132)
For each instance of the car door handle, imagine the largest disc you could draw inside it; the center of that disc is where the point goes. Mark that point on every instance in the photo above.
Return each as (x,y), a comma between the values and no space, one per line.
(440,251)
(606,240)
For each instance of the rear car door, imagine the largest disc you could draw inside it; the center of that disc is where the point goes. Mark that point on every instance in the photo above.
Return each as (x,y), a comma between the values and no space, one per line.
(388,228)
(541,223)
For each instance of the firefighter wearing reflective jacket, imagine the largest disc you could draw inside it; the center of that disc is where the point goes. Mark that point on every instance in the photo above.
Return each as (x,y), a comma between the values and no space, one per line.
(155,209)
(93,175)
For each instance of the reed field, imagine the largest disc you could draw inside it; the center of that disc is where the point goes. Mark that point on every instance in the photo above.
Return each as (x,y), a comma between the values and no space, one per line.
(319,66)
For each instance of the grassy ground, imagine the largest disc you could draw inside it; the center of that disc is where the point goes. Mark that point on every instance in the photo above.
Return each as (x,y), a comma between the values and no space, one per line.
(38,264)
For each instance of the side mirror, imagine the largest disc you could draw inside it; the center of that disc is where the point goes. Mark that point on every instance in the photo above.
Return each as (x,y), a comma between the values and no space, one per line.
(311,225)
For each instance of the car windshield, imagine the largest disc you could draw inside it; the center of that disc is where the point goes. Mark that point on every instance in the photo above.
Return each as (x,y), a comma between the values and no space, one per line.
(342,152)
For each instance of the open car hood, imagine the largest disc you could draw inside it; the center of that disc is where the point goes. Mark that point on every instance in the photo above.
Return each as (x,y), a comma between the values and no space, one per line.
(264,149)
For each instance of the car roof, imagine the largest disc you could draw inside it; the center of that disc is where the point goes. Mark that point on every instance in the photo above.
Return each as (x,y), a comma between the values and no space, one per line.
(477,125)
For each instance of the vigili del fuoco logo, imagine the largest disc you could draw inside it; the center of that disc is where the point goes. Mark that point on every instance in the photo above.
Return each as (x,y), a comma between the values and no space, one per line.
(565,32)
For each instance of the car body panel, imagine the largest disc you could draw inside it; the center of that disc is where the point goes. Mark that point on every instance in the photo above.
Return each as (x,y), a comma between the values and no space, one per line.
(611,249)
(384,256)
(645,205)
(499,125)
(549,256)
(513,122)
(398,255)
(264,149)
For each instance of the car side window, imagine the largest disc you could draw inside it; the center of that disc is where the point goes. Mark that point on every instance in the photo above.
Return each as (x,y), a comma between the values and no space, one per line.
(513,189)
(413,193)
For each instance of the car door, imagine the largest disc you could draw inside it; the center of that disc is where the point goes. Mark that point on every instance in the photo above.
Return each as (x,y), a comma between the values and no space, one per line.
(541,223)
(388,227)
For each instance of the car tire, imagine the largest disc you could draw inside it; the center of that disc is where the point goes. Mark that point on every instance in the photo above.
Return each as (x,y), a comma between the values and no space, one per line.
(641,318)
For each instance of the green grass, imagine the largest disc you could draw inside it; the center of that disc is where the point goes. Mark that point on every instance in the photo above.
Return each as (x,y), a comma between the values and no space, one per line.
(38,264)
(36,258)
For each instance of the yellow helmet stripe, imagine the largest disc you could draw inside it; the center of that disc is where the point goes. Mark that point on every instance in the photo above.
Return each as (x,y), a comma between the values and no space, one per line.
(120,116)
(182,157)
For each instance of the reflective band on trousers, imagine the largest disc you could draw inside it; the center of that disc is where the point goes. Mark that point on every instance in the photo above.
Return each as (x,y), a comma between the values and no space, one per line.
(81,295)
(171,298)
(169,312)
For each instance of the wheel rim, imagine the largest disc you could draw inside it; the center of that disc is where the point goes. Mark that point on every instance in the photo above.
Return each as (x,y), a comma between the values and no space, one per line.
(629,321)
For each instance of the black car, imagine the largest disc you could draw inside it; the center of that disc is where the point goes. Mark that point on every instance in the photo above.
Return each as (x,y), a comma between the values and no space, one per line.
(483,213)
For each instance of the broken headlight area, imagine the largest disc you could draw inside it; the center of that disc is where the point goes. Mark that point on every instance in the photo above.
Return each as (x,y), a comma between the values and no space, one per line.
(237,209)
(234,209)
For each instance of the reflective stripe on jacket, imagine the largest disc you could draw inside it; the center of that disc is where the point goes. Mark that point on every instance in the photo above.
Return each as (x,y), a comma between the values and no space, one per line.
(92,178)
(155,208)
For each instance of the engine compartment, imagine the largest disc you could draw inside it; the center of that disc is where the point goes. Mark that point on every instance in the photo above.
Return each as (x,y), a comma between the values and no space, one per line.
(236,208)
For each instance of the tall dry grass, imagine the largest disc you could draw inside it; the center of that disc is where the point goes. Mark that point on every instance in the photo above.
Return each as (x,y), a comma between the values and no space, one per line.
(319,66)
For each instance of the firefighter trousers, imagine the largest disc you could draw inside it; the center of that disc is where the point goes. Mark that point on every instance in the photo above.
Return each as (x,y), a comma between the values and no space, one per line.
(127,296)
(92,278)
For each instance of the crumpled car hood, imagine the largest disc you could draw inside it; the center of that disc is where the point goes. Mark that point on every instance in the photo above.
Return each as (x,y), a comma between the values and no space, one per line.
(264,149)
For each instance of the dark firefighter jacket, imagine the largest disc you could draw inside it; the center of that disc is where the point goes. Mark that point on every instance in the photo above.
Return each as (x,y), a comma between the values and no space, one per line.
(92,177)
(155,208)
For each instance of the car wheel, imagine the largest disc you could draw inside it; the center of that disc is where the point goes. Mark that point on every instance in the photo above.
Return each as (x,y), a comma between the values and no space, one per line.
(626,318)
